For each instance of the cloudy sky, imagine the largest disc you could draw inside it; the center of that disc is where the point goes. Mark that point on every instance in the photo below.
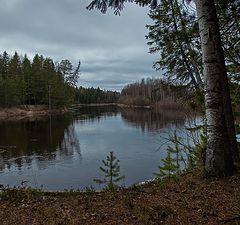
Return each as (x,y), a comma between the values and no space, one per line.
(112,49)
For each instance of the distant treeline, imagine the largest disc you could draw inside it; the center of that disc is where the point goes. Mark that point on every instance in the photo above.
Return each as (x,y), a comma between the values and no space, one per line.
(36,82)
(40,81)
(95,95)
(154,92)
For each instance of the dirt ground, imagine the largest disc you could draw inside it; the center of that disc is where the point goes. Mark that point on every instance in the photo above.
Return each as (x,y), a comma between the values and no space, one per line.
(189,200)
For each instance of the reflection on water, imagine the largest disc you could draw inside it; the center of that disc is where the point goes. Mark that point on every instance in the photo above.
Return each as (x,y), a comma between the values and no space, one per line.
(65,151)
(43,140)
(149,120)
(93,113)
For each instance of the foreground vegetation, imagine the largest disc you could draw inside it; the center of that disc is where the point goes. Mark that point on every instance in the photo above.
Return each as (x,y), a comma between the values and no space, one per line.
(188,200)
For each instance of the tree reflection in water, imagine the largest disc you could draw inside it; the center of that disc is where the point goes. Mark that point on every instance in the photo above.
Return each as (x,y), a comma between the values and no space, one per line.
(44,139)
(149,120)
(54,138)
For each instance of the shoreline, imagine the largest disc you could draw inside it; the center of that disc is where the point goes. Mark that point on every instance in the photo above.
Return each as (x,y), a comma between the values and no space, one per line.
(95,104)
(115,104)
(28,112)
(134,106)
(32,112)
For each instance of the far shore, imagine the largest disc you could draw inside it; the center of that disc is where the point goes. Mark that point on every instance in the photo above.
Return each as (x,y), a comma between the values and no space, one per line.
(96,104)
(116,104)
(29,112)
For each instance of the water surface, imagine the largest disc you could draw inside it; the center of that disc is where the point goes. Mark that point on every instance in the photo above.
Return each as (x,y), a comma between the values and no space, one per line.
(63,152)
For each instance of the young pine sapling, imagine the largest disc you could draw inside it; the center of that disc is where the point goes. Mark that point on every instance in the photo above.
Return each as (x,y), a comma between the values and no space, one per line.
(111,170)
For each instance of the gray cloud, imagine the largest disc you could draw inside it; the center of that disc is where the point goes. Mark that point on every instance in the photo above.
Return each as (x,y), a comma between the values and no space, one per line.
(112,49)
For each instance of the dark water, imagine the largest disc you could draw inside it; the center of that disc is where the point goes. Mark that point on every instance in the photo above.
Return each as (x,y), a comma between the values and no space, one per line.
(64,152)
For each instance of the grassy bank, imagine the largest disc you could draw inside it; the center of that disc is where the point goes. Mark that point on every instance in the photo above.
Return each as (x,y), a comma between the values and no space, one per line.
(189,200)
(28,112)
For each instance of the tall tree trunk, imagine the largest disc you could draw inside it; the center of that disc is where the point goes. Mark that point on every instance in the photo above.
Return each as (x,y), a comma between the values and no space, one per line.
(228,112)
(220,130)
(230,123)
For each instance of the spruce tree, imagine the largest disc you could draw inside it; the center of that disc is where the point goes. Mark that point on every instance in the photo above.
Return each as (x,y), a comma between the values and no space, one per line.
(26,73)
(4,64)
(15,65)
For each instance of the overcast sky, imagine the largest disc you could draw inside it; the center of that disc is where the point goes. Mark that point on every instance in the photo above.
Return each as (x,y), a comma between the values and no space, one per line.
(113,49)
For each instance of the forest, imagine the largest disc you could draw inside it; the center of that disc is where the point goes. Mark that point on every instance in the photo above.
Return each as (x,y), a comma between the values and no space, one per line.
(95,95)
(41,81)
(157,93)
(36,82)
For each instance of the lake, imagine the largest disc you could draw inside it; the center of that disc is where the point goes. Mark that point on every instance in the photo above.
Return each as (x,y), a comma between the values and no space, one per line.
(65,152)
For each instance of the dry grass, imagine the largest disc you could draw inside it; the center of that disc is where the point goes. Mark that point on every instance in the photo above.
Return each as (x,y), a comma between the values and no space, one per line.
(27,112)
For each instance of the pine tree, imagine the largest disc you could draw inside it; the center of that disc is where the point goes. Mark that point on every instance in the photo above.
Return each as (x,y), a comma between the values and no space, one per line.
(176,38)
(197,155)
(111,170)
(70,75)
(170,166)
